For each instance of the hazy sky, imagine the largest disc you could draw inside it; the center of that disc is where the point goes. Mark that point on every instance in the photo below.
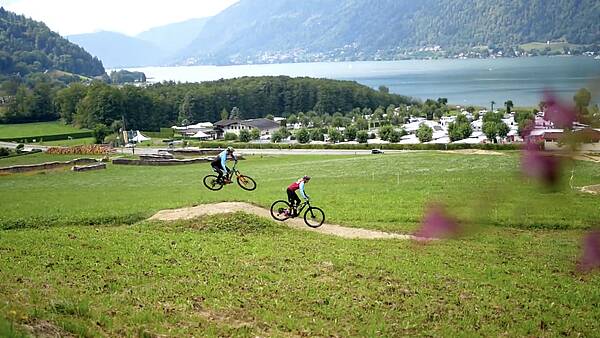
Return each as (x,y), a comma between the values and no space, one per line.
(125,16)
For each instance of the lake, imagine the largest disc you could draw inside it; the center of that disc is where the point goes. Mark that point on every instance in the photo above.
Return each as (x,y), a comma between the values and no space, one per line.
(464,82)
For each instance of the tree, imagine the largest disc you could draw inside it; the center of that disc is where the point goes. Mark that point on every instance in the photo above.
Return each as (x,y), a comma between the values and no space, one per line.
(255,133)
(245,135)
(503,129)
(395,136)
(224,114)
(276,137)
(490,129)
(270,117)
(509,106)
(582,100)
(236,114)
(334,135)
(350,133)
(460,129)
(492,103)
(302,135)
(362,124)
(317,135)
(67,99)
(362,136)
(384,89)
(292,119)
(424,133)
(99,133)
(231,137)
(385,131)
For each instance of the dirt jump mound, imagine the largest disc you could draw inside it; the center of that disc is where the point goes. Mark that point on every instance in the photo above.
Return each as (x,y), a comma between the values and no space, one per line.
(232,207)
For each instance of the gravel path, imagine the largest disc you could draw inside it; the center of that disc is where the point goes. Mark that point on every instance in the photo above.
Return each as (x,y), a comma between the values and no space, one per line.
(297,223)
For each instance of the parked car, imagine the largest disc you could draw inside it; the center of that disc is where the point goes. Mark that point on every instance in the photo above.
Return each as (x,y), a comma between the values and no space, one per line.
(376,151)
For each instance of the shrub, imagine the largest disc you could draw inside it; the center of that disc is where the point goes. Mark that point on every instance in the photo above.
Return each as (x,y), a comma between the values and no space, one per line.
(230,137)
(245,136)
(100,132)
(303,136)
(4,152)
(362,136)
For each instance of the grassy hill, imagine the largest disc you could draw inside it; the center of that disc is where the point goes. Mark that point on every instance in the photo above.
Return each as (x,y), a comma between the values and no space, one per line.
(239,275)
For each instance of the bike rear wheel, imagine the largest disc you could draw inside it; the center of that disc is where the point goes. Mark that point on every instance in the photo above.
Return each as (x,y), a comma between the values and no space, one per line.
(280,210)
(314,217)
(212,182)
(246,182)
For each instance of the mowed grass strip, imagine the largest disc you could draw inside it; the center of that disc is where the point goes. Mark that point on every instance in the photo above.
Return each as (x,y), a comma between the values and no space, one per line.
(36,129)
(240,275)
(386,192)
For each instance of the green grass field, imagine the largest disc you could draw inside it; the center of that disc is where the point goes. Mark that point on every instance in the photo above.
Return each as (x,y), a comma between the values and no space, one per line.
(240,275)
(35,129)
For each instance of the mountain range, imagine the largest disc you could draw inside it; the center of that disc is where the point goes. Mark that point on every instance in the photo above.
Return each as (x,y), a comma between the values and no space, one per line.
(261,31)
(254,30)
(155,46)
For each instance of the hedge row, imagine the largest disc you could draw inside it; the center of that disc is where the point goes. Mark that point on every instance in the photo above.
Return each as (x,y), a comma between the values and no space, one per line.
(55,137)
(486,146)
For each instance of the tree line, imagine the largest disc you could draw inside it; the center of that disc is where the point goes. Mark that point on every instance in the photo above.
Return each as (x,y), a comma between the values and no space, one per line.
(170,103)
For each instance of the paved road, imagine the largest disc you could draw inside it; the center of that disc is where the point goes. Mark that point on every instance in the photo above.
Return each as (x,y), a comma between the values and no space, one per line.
(12,145)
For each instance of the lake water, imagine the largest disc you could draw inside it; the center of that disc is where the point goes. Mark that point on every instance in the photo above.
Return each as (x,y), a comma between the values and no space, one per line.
(470,81)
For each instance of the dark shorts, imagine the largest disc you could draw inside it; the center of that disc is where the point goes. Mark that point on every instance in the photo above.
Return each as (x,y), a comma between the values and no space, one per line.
(293,197)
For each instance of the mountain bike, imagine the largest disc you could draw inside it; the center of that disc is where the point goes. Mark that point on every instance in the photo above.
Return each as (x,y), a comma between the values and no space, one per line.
(213,182)
(313,217)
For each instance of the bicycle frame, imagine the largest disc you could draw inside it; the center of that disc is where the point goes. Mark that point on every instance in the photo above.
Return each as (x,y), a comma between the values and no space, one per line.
(301,206)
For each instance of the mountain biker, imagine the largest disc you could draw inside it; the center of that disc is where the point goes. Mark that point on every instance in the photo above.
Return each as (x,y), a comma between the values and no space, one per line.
(219,164)
(293,197)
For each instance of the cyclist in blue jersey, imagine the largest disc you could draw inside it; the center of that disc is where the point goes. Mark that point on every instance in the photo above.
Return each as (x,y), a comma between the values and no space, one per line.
(219,164)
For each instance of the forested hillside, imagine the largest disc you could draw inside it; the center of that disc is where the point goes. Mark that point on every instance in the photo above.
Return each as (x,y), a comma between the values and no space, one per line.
(28,46)
(263,30)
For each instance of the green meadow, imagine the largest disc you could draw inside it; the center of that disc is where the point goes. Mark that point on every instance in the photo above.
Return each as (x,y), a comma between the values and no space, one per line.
(78,257)
(36,129)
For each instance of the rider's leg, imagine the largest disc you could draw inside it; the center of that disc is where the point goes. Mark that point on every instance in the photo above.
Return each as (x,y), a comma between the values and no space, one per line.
(228,178)
(294,201)
(219,171)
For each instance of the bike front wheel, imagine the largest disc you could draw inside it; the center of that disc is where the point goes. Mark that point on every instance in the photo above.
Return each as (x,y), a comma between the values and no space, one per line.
(246,182)
(314,217)
(280,210)
(212,182)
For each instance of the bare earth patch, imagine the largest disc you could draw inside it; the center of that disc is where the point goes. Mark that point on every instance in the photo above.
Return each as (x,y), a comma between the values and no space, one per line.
(592,189)
(297,223)
(45,329)
(473,152)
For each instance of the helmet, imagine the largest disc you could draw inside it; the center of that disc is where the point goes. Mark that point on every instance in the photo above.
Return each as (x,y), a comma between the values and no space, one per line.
(230,149)
(306,178)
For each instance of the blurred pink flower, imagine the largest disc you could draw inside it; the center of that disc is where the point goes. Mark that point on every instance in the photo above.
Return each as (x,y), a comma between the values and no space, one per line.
(437,223)
(590,259)
(560,114)
(540,165)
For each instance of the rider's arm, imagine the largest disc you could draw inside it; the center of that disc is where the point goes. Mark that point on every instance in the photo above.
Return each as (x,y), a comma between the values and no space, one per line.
(224,161)
(304,195)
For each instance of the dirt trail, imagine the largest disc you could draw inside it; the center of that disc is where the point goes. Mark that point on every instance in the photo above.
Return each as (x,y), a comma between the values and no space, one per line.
(591,189)
(297,223)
